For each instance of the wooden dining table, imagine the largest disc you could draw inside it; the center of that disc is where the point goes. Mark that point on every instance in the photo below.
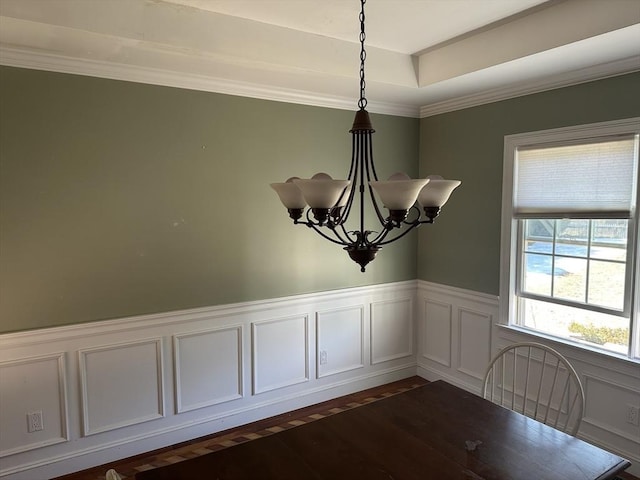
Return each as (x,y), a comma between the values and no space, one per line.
(436,431)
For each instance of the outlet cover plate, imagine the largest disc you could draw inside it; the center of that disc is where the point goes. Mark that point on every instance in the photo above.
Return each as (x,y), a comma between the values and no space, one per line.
(34,422)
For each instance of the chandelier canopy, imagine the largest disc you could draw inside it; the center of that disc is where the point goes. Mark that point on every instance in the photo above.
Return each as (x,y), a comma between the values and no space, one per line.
(329,203)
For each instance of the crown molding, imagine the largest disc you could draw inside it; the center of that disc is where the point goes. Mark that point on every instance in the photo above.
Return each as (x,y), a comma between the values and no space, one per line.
(597,72)
(22,58)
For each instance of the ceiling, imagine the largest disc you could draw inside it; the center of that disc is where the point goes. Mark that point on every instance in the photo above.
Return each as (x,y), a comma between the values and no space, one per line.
(423,56)
(404,26)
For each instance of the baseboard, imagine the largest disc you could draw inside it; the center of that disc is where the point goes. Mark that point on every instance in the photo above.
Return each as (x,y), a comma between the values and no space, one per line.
(433,375)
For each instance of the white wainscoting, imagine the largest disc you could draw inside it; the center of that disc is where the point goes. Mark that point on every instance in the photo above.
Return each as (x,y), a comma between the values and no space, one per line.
(344,328)
(117,388)
(455,329)
(392,330)
(459,332)
(104,371)
(207,367)
(280,353)
(38,385)
(112,389)
(436,333)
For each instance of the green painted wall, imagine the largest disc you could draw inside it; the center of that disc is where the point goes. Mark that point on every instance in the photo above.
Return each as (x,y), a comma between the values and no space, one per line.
(464,251)
(119,199)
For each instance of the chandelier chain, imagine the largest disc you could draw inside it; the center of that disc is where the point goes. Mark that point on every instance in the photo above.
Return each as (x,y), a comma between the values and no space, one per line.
(362,102)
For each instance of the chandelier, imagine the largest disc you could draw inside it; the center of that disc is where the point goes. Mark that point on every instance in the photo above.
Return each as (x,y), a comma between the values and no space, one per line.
(329,203)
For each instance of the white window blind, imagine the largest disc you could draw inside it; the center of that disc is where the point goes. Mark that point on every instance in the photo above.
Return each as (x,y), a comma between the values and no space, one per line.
(594,179)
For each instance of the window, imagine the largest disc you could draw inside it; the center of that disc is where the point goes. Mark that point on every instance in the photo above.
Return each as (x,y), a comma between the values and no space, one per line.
(570,235)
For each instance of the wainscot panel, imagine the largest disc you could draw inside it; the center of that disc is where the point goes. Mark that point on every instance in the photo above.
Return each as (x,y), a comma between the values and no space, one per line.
(436,332)
(121,385)
(280,353)
(392,330)
(342,328)
(474,344)
(32,386)
(599,411)
(113,389)
(208,367)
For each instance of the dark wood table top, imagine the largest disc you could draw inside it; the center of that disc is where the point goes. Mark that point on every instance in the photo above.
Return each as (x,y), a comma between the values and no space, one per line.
(421,434)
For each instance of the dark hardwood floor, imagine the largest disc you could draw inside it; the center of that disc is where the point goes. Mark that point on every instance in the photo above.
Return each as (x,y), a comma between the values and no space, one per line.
(128,467)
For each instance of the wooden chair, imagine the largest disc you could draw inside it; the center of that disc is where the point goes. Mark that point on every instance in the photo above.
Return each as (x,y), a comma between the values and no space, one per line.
(538,382)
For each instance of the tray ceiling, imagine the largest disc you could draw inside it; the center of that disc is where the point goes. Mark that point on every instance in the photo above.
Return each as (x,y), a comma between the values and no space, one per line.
(423,56)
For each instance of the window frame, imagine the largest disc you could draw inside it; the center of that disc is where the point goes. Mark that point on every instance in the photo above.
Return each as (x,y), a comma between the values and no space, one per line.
(511,230)
(629,278)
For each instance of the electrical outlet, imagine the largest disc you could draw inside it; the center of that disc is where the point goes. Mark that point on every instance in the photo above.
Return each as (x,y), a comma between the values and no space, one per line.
(323,357)
(633,415)
(34,421)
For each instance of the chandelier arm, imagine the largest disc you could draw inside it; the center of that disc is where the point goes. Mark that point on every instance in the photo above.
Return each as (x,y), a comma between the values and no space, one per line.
(417,219)
(354,155)
(346,234)
(347,208)
(344,239)
(370,156)
(381,236)
(309,222)
(416,222)
(360,161)
(404,232)
(339,240)
(367,143)
(381,218)
(353,172)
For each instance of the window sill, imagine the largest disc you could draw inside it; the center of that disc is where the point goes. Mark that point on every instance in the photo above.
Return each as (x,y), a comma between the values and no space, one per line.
(580,348)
